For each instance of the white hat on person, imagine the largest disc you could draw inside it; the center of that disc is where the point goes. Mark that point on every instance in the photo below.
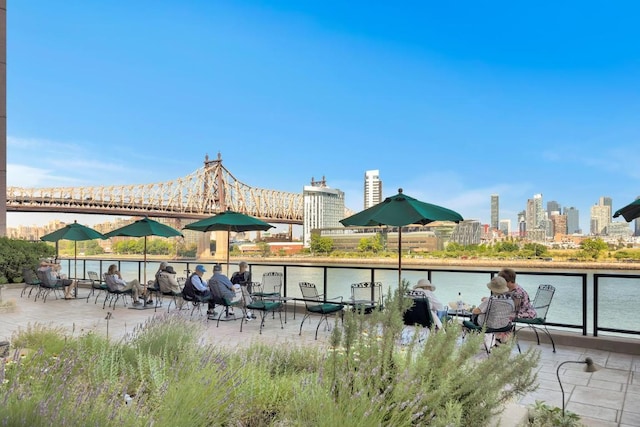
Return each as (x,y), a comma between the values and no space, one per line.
(498,285)
(425,284)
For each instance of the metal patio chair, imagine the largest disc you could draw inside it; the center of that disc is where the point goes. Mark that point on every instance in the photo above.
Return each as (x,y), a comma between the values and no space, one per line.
(316,304)
(367,296)
(541,304)
(98,287)
(31,282)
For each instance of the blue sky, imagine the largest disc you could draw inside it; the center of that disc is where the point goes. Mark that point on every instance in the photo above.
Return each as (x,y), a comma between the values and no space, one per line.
(452,101)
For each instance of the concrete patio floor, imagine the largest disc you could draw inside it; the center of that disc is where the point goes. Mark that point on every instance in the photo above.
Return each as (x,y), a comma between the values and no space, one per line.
(608,397)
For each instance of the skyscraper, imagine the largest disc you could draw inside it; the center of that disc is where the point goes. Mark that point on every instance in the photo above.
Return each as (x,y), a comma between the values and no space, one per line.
(495,212)
(637,224)
(600,216)
(573,220)
(323,208)
(372,188)
(552,207)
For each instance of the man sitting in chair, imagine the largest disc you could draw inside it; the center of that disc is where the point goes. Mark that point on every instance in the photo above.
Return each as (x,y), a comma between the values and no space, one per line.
(221,286)
(52,272)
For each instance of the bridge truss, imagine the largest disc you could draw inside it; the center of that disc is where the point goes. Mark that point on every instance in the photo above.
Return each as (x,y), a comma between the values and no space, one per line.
(203,193)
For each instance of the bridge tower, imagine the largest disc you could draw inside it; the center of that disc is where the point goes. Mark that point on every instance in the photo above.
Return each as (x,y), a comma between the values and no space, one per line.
(214,190)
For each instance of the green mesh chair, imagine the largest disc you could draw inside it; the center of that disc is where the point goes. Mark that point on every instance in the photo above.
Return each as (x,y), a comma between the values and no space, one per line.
(541,303)
(264,303)
(98,287)
(31,282)
(316,304)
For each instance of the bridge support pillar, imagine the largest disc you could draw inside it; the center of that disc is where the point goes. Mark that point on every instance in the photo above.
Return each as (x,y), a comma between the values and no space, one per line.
(222,248)
(204,246)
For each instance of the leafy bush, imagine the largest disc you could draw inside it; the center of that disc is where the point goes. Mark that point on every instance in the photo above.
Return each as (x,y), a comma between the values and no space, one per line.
(17,254)
(364,378)
(543,415)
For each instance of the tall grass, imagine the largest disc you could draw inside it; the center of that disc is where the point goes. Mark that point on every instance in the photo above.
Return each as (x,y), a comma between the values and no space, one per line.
(364,378)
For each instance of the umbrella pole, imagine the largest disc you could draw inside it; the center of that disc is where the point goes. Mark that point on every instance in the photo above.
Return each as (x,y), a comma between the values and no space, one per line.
(145,262)
(228,240)
(399,256)
(75,267)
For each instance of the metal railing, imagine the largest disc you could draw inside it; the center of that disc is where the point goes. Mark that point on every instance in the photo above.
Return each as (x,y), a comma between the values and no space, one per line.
(572,296)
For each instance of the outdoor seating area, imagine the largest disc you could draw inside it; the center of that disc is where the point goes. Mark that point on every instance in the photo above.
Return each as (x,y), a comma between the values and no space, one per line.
(603,398)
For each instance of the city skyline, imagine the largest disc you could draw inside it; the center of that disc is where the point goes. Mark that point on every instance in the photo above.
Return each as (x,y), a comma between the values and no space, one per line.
(435,97)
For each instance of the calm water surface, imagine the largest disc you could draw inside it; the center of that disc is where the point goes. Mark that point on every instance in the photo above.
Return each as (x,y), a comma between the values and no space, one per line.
(615,294)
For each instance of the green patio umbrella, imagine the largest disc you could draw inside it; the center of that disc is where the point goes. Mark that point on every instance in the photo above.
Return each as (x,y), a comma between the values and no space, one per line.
(398,211)
(142,228)
(629,212)
(229,221)
(75,232)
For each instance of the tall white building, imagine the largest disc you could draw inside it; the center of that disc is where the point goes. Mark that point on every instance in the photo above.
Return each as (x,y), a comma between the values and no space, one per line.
(600,216)
(323,208)
(495,211)
(372,188)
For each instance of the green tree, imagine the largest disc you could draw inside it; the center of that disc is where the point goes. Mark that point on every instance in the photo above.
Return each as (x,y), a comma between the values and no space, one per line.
(16,254)
(370,244)
(264,248)
(535,249)
(319,244)
(507,247)
(594,247)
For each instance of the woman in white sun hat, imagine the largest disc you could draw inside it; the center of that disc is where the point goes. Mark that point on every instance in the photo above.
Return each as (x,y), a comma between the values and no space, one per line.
(437,308)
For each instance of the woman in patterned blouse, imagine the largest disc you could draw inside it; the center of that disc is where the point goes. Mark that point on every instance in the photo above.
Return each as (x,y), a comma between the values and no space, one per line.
(519,295)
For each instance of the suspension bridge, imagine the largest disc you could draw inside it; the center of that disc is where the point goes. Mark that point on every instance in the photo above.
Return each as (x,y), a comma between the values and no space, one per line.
(209,190)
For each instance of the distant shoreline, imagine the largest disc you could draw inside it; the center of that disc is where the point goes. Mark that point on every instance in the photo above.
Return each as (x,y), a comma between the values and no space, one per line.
(427,262)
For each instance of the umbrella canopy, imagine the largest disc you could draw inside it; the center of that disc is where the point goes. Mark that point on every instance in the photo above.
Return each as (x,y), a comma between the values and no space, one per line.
(398,211)
(75,232)
(229,221)
(629,212)
(142,228)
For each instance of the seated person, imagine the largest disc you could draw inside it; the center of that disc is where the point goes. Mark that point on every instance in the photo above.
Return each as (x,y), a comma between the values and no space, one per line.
(155,283)
(242,277)
(52,271)
(221,287)
(519,295)
(115,282)
(501,314)
(437,308)
(195,288)
(167,283)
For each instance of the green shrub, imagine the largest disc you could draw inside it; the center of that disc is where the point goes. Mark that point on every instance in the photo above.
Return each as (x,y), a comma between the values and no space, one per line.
(364,378)
(17,254)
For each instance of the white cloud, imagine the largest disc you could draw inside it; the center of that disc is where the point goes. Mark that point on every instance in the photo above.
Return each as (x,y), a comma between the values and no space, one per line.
(60,164)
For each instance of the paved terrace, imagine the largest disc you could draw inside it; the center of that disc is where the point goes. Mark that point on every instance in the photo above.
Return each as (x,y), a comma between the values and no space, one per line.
(608,397)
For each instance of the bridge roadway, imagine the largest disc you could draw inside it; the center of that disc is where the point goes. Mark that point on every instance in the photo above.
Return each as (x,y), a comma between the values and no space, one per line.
(201,194)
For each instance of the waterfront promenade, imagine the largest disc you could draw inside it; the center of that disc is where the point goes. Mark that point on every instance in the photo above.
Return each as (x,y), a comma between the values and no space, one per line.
(609,397)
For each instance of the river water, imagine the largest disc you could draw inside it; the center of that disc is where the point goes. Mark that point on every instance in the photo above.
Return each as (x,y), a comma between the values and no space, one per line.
(615,295)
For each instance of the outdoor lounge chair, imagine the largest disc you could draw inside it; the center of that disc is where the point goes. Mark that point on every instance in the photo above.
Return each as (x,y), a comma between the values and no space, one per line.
(113,296)
(490,326)
(316,304)
(366,296)
(31,282)
(98,287)
(420,312)
(541,303)
(418,318)
(264,304)
(46,286)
